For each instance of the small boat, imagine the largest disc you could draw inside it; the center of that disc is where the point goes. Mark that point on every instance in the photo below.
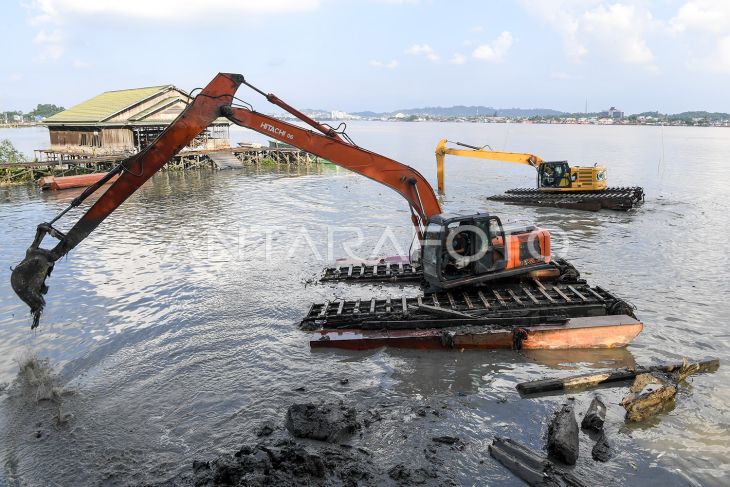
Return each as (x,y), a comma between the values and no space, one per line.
(54,183)
(609,331)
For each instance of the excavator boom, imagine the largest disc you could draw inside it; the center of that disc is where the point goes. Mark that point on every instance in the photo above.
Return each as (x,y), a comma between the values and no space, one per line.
(28,277)
(442,150)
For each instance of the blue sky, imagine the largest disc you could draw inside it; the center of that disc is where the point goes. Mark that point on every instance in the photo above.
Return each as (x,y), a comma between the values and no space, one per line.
(670,55)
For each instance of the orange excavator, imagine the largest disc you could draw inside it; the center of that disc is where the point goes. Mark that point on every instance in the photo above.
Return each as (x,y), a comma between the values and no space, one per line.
(456,250)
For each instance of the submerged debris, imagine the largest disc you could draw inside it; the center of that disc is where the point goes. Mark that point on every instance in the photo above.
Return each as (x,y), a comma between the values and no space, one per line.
(601,451)
(533,468)
(563,436)
(595,416)
(642,405)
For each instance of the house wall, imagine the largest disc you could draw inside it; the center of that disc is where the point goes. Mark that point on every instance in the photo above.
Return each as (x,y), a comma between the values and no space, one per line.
(90,140)
(115,139)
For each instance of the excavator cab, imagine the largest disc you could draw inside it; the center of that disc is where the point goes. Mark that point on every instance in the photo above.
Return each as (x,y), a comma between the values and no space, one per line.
(554,174)
(560,176)
(464,250)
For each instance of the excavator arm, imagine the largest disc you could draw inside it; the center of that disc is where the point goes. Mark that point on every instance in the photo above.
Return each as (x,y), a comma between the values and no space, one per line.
(216,99)
(478,152)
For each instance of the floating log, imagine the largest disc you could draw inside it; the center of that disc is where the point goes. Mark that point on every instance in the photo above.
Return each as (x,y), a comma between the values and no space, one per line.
(595,416)
(530,466)
(563,436)
(587,381)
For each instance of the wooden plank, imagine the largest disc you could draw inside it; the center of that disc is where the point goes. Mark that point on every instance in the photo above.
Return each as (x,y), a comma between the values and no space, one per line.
(388,307)
(468,301)
(484,300)
(515,297)
(420,301)
(404,305)
(362,270)
(356,308)
(387,269)
(451,300)
(562,294)
(583,298)
(435,300)
(372,305)
(544,293)
(400,268)
(349,271)
(445,312)
(598,296)
(499,298)
(530,295)
(339,308)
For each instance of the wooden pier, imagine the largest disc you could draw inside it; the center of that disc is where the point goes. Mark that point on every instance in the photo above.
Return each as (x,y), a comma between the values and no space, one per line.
(60,163)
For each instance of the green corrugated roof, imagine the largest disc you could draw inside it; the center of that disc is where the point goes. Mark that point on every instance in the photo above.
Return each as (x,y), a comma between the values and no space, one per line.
(103,106)
(157,106)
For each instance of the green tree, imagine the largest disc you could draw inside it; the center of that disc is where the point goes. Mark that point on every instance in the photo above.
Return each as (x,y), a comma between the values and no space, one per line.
(45,110)
(9,154)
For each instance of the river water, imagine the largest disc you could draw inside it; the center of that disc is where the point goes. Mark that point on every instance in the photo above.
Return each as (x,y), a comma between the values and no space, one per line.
(174,324)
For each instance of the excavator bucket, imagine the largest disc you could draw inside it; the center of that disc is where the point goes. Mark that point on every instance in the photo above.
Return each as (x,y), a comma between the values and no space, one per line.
(28,280)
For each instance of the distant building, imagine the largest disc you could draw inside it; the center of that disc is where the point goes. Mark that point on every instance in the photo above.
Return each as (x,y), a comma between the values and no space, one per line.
(614,112)
(126,121)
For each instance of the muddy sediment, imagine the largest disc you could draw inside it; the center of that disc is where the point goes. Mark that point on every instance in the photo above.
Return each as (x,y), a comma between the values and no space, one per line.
(312,449)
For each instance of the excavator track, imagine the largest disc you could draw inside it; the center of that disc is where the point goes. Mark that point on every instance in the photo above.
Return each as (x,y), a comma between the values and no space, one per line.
(387,272)
(616,198)
(505,306)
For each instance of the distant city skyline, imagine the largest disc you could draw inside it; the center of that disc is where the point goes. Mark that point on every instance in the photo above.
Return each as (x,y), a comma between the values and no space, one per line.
(381,55)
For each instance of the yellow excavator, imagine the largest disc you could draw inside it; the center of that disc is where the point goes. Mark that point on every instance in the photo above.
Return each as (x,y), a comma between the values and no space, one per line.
(554,176)
(558,183)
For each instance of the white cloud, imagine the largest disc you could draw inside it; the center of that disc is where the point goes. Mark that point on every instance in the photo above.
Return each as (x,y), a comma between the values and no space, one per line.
(704,16)
(458,58)
(704,25)
(392,64)
(423,50)
(166,10)
(613,29)
(495,50)
(51,45)
(620,29)
(79,64)
(561,75)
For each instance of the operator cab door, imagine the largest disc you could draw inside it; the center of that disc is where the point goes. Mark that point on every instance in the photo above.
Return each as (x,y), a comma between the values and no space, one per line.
(554,174)
(494,250)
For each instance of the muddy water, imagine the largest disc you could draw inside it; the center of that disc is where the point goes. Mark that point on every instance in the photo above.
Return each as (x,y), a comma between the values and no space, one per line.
(173,327)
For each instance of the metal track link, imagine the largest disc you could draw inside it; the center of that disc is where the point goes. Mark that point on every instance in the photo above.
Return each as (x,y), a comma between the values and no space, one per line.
(515,304)
(615,198)
(378,272)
